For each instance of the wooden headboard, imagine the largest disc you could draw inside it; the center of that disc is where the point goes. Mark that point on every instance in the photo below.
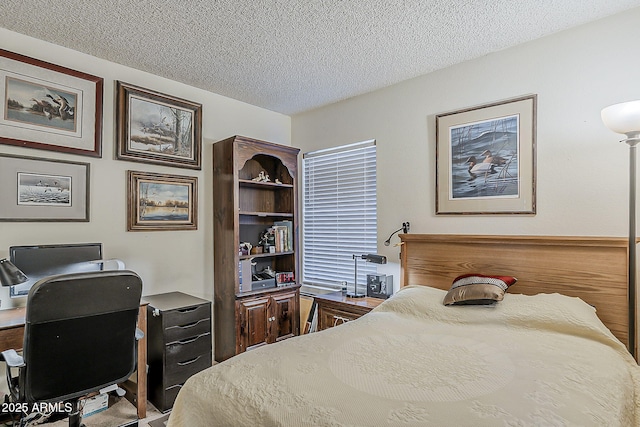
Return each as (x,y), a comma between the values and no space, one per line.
(591,268)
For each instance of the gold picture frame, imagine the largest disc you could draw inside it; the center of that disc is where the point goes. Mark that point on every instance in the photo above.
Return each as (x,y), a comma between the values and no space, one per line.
(157,202)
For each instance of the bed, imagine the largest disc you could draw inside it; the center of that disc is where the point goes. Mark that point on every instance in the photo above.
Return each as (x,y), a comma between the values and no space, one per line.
(540,356)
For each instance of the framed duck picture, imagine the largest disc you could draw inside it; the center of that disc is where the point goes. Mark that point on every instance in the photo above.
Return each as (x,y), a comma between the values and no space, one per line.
(153,127)
(49,107)
(486,159)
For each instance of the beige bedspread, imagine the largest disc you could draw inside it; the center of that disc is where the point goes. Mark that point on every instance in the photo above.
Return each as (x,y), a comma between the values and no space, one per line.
(543,360)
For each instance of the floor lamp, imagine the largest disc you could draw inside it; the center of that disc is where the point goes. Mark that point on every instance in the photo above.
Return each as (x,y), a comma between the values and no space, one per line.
(624,118)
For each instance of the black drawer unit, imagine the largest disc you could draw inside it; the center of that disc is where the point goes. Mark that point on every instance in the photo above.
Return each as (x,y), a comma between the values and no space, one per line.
(178,344)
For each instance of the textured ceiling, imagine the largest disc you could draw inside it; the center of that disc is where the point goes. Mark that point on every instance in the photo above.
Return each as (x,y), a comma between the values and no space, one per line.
(294,55)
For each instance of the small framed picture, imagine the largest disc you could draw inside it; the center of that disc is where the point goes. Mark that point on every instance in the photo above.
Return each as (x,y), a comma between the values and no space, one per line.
(157,202)
(35,189)
(156,128)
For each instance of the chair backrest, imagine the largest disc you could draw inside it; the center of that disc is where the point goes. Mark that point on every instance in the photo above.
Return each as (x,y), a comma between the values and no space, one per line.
(79,334)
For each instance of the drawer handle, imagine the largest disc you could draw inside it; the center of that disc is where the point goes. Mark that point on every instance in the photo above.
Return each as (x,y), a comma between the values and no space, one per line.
(340,319)
(174,386)
(187,310)
(191,339)
(189,362)
(190,325)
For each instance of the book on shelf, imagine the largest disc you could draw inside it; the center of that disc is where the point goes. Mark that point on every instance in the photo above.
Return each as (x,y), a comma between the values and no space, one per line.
(283,235)
(280,238)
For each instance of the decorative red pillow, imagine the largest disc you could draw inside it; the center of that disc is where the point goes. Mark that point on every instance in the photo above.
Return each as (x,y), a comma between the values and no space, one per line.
(478,289)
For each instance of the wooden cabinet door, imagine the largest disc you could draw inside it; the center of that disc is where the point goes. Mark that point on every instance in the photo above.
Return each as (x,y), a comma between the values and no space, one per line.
(285,320)
(251,327)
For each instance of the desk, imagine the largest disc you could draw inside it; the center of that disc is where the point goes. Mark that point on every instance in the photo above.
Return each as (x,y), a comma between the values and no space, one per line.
(12,334)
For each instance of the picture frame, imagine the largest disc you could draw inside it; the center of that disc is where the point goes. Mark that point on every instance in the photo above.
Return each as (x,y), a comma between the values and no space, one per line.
(157,202)
(153,127)
(486,159)
(36,189)
(49,107)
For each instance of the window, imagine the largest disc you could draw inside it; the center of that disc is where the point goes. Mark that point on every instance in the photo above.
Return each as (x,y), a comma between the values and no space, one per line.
(339,217)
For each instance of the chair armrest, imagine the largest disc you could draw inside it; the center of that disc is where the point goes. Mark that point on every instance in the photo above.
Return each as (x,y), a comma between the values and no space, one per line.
(12,358)
(139,334)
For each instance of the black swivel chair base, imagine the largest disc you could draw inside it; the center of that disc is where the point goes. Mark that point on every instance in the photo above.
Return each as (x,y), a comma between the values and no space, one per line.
(75,416)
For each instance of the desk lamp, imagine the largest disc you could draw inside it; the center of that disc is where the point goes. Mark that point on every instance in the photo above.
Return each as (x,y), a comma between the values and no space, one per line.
(624,118)
(404,229)
(10,274)
(376,259)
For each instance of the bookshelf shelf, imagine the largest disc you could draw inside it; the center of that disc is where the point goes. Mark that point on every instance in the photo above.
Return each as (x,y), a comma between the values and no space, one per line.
(271,185)
(263,255)
(267,214)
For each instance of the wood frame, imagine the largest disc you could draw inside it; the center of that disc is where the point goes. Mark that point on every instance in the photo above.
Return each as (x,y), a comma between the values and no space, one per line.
(61,195)
(591,268)
(65,112)
(500,180)
(156,127)
(138,202)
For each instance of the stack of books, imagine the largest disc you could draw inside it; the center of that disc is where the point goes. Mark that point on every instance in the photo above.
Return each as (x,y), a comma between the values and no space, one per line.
(283,235)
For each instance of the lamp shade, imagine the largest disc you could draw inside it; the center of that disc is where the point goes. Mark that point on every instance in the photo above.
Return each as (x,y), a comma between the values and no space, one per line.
(375,258)
(10,274)
(623,118)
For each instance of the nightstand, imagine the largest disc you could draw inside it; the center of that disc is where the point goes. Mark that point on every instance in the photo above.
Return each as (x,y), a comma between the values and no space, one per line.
(335,309)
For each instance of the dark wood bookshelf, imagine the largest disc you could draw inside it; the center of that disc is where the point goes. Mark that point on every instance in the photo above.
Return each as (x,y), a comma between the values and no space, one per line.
(243,209)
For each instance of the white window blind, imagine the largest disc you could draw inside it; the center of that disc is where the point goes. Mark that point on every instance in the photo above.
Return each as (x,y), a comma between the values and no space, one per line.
(339,217)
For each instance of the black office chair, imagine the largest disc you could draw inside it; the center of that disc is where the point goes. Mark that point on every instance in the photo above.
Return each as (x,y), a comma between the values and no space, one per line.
(80,337)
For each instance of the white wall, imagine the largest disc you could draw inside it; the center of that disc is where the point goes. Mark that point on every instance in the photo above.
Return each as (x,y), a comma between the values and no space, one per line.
(166,260)
(582,169)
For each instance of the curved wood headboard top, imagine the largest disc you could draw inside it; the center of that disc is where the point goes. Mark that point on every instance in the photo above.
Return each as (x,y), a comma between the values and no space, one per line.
(591,268)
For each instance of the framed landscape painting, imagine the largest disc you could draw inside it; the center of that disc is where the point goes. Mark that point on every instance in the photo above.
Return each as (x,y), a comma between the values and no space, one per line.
(35,189)
(49,107)
(158,202)
(485,159)
(156,128)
